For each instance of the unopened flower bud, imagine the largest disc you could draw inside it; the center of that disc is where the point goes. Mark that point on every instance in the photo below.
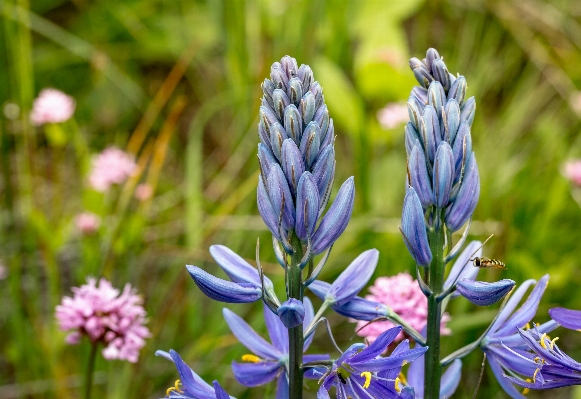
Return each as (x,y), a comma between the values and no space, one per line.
(443,174)
(484,294)
(414,229)
(291,313)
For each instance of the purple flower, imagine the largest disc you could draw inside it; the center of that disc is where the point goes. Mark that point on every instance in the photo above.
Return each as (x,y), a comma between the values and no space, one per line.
(268,360)
(482,293)
(361,372)
(413,229)
(52,106)
(568,318)
(506,351)
(554,367)
(104,315)
(191,385)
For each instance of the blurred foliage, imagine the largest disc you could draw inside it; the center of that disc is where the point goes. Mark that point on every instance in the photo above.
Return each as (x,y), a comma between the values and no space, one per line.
(177,83)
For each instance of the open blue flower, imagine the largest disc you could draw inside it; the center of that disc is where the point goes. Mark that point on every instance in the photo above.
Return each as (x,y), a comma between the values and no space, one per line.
(361,372)
(554,367)
(268,361)
(191,385)
(506,351)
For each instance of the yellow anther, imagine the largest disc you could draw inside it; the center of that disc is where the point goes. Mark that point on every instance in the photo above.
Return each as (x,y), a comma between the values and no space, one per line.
(402,378)
(526,390)
(553,342)
(527,326)
(176,388)
(538,359)
(251,358)
(169,390)
(367,376)
(404,363)
(397,388)
(535,375)
(542,341)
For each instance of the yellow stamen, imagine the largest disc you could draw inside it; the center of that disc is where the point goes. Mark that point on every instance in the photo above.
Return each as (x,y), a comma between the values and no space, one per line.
(526,390)
(176,388)
(402,378)
(404,363)
(397,388)
(538,359)
(553,342)
(251,358)
(543,341)
(535,375)
(527,326)
(367,376)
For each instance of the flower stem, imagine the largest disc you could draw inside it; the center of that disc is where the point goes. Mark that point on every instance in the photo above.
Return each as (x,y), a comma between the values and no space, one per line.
(295,335)
(90,370)
(433,370)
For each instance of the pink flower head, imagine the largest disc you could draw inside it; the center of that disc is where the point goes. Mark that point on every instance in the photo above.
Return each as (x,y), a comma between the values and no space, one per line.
(143,192)
(52,106)
(392,115)
(112,166)
(102,314)
(573,172)
(87,222)
(404,296)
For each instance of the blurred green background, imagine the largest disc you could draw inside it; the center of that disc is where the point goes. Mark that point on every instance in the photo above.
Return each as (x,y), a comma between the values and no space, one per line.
(177,83)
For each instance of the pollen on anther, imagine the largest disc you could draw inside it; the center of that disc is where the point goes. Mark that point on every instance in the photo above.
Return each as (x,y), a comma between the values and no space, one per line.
(251,358)
(553,342)
(397,388)
(367,376)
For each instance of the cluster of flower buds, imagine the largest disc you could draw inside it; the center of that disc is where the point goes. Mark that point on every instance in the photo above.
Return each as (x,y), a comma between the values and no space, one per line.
(297,161)
(443,179)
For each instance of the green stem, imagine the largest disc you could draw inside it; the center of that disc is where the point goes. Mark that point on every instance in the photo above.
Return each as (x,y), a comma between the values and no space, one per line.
(295,335)
(433,370)
(90,370)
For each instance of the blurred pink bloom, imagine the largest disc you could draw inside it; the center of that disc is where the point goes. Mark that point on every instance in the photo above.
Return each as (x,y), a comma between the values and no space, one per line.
(573,172)
(404,296)
(112,166)
(87,222)
(143,192)
(103,315)
(392,115)
(52,106)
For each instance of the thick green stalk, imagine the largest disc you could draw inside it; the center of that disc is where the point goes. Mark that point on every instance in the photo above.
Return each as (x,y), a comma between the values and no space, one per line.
(295,335)
(433,370)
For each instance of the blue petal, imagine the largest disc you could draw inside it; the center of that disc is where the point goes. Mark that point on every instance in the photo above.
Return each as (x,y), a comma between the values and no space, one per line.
(280,194)
(336,219)
(482,293)
(324,169)
(292,163)
(510,307)
(377,347)
(419,175)
(222,290)
(236,267)
(461,268)
(255,374)
(307,206)
(277,332)
(291,313)
(282,387)
(191,382)
(380,364)
(450,379)
(353,278)
(309,315)
(322,393)
(361,309)
(568,318)
(443,174)
(249,338)
(504,382)
(414,229)
(266,210)
(464,204)
(415,376)
(527,311)
(220,392)
(320,288)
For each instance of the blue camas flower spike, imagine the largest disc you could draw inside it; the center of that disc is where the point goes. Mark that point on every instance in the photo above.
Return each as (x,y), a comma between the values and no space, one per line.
(413,229)
(297,138)
(191,385)
(361,372)
(267,361)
